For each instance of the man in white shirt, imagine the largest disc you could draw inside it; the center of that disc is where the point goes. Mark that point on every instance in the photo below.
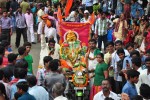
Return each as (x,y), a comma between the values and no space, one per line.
(91,57)
(48,49)
(50,32)
(72,17)
(105,92)
(136,64)
(86,17)
(145,74)
(37,91)
(29,22)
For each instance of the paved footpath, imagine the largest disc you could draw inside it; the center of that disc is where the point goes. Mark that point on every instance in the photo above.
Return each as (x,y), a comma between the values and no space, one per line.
(35,51)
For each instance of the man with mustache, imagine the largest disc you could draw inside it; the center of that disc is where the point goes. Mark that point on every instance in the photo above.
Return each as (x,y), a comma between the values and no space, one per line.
(105,92)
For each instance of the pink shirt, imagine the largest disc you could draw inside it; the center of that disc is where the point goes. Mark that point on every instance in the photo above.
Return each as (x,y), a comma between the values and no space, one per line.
(29,19)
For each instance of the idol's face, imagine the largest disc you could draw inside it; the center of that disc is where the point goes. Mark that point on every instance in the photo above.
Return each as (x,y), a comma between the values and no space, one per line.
(71,37)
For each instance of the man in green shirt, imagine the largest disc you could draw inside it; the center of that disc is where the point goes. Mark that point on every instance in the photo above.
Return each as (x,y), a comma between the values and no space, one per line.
(24,5)
(28,57)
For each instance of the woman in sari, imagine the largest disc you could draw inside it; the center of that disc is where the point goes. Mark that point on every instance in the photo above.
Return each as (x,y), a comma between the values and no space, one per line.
(120,27)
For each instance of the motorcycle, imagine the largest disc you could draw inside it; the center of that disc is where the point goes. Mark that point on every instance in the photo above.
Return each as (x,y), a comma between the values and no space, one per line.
(78,80)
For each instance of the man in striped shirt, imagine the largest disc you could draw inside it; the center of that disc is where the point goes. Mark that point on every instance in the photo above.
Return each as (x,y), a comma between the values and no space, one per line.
(20,27)
(101,26)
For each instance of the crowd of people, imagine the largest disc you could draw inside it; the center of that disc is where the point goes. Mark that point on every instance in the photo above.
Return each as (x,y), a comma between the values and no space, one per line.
(121,66)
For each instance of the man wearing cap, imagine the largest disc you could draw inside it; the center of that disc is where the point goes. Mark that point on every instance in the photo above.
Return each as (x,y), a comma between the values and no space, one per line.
(86,17)
(49,30)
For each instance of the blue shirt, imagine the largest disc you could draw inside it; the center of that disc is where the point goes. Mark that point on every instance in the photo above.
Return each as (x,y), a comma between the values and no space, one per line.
(20,20)
(26,96)
(87,3)
(119,8)
(33,10)
(134,7)
(5,23)
(128,58)
(130,89)
(14,88)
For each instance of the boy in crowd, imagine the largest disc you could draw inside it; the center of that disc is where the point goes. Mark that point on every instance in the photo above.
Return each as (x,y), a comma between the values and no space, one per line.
(22,53)
(107,59)
(11,64)
(34,89)
(129,88)
(44,71)
(22,88)
(119,74)
(20,75)
(28,57)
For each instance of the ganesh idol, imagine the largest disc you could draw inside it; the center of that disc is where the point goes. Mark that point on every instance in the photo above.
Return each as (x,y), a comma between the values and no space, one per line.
(72,51)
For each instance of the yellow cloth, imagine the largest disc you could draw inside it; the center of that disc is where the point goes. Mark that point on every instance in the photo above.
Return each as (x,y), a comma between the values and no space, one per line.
(39,14)
(24,6)
(118,35)
(107,60)
(107,57)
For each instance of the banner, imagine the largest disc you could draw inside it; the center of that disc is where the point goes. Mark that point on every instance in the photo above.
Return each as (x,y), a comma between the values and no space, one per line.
(81,31)
(68,7)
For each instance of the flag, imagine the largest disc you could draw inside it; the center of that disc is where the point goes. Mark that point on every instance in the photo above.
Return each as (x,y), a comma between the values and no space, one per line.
(68,6)
(59,15)
(82,31)
(92,19)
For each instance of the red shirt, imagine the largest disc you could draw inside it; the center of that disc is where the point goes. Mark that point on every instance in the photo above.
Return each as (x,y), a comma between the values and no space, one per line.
(5,61)
(147,41)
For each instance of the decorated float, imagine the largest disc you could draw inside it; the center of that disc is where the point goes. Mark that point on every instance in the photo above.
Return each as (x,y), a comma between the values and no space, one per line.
(73,52)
